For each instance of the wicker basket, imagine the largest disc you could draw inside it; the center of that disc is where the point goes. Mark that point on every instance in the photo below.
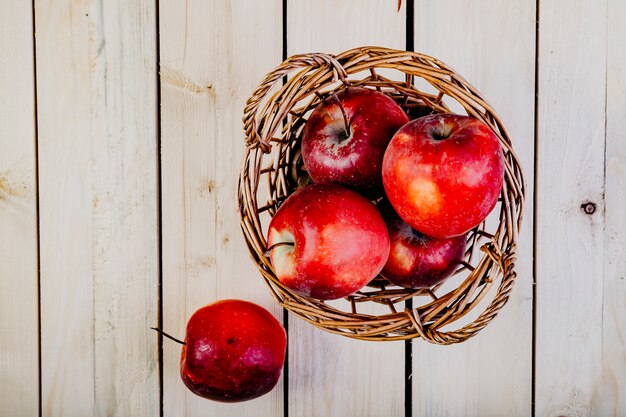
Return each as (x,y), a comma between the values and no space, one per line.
(274,117)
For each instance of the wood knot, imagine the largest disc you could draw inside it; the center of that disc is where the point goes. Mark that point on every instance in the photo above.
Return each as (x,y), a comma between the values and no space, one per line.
(588,207)
(10,188)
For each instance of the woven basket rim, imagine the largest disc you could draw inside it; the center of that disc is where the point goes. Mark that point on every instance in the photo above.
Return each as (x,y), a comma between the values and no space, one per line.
(273,118)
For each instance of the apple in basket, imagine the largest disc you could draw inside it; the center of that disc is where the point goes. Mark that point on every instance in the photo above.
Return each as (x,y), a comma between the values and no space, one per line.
(234,351)
(443,173)
(345,138)
(327,241)
(416,260)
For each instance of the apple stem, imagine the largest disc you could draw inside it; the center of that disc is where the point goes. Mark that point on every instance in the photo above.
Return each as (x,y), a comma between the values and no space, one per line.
(168,336)
(343,113)
(267,252)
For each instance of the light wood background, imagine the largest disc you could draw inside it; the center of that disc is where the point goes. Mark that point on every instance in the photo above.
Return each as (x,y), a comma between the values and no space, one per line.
(120,144)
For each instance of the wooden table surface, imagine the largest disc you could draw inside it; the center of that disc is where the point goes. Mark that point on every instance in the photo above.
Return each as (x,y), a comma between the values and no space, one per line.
(120,144)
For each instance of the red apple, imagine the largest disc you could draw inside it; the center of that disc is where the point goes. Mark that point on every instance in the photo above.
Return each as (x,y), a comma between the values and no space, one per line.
(327,241)
(416,260)
(443,173)
(345,138)
(234,351)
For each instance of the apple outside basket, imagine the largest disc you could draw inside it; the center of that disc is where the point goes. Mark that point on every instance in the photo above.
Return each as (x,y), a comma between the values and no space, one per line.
(274,118)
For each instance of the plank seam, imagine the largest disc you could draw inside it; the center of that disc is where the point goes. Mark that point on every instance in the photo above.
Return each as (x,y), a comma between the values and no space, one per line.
(533,391)
(606,108)
(159,208)
(37,227)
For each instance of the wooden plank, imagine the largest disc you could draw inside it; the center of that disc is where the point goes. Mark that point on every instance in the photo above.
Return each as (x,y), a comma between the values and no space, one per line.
(99,245)
(570,242)
(492,45)
(213,54)
(19,361)
(608,397)
(330,374)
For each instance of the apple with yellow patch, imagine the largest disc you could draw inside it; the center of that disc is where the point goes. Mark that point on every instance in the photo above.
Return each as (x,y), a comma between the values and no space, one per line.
(443,173)
(416,260)
(327,241)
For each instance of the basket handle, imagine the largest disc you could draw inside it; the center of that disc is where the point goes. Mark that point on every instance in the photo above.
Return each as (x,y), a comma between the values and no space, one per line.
(507,263)
(259,136)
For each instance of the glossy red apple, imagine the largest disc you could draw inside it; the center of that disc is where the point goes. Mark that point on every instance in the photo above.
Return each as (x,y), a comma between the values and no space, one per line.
(345,138)
(443,173)
(234,351)
(416,260)
(327,241)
